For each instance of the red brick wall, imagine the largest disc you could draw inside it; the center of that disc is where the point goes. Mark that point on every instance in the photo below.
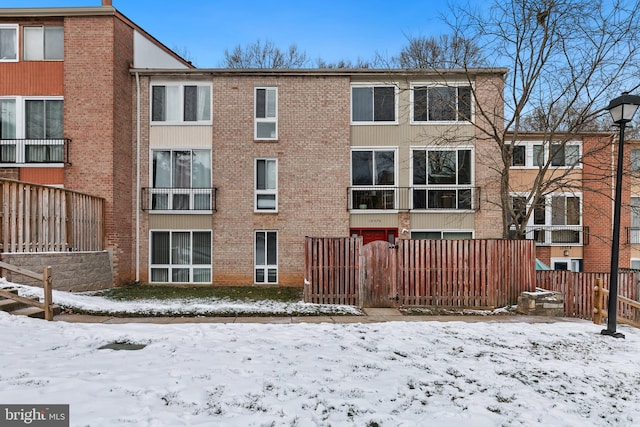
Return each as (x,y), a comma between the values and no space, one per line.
(98,52)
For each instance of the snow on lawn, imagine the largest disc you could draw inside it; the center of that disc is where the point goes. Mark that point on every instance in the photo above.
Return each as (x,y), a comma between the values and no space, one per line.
(375,374)
(92,302)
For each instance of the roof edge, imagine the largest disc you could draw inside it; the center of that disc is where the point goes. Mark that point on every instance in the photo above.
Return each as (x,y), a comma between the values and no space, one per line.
(33,12)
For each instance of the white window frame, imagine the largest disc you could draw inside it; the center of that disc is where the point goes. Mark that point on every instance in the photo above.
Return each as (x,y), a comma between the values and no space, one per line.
(20,140)
(573,264)
(268,191)
(442,232)
(17,30)
(548,225)
(373,85)
(261,120)
(632,261)
(180,121)
(41,55)
(374,187)
(546,150)
(435,85)
(171,191)
(432,187)
(265,267)
(171,266)
(634,232)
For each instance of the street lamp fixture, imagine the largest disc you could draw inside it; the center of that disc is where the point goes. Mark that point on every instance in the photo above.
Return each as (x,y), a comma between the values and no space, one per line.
(622,110)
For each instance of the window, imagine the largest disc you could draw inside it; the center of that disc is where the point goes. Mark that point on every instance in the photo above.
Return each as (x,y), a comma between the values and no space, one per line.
(555,219)
(181,104)
(635,160)
(373,179)
(266,184)
(373,104)
(634,233)
(43,43)
(441,104)
(442,235)
(441,179)
(31,130)
(635,263)
(8,42)
(180,256)
(266,257)
(536,154)
(564,155)
(181,180)
(266,113)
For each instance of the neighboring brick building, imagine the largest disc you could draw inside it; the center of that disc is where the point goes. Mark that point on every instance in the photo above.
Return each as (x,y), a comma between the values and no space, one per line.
(66,105)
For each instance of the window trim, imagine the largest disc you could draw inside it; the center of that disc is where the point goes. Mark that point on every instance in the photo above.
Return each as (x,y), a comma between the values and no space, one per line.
(435,85)
(434,187)
(202,190)
(181,85)
(546,149)
(16,27)
(374,187)
(265,266)
(44,46)
(396,92)
(190,266)
(257,120)
(257,192)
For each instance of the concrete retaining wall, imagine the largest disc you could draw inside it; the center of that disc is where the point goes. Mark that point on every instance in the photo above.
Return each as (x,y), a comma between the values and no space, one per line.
(71,271)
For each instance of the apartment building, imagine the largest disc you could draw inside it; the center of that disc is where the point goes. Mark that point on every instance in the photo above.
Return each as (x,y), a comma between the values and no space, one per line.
(215,176)
(66,106)
(236,167)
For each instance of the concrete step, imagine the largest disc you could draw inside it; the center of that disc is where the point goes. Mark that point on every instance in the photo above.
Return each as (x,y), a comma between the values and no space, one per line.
(11,305)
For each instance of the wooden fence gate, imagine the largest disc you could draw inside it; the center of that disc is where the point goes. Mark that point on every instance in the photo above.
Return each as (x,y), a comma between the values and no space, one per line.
(438,273)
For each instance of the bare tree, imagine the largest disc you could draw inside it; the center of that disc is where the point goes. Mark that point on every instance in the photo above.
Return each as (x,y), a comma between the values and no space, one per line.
(443,52)
(565,59)
(344,63)
(264,55)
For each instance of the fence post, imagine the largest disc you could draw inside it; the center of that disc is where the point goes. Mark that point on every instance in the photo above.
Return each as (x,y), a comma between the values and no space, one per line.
(598,302)
(48,293)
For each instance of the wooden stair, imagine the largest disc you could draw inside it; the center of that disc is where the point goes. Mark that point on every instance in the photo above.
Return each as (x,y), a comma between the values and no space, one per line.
(21,309)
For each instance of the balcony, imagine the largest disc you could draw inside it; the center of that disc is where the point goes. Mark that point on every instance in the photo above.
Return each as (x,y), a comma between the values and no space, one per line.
(419,198)
(179,199)
(560,235)
(17,152)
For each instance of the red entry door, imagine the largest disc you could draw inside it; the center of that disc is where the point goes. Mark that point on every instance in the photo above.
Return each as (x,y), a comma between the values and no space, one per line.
(374,234)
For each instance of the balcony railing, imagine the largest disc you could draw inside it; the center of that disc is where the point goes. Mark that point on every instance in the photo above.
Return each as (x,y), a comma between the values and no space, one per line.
(178,199)
(558,235)
(418,198)
(34,151)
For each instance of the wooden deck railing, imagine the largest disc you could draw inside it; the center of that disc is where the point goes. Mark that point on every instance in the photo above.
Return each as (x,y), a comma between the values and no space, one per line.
(38,218)
(47,286)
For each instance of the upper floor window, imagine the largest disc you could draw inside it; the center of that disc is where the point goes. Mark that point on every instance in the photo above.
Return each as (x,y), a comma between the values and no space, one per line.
(373,104)
(8,42)
(266,113)
(555,218)
(181,180)
(441,104)
(175,103)
(43,43)
(537,154)
(635,160)
(441,179)
(373,179)
(266,194)
(31,130)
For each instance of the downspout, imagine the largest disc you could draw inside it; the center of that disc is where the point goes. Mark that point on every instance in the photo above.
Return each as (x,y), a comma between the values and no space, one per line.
(137,177)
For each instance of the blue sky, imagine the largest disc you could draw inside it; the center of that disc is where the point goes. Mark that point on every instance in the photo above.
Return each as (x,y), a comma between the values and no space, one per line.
(328,29)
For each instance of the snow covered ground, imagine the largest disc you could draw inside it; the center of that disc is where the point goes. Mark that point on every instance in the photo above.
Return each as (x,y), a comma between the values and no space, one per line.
(375,374)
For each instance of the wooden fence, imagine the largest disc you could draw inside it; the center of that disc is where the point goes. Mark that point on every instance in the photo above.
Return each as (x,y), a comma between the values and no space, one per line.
(440,273)
(578,291)
(36,218)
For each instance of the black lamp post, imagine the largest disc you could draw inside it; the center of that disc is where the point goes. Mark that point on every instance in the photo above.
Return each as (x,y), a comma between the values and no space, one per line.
(622,110)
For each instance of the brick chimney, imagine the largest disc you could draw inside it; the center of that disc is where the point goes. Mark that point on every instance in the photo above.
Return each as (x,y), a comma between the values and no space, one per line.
(106,2)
